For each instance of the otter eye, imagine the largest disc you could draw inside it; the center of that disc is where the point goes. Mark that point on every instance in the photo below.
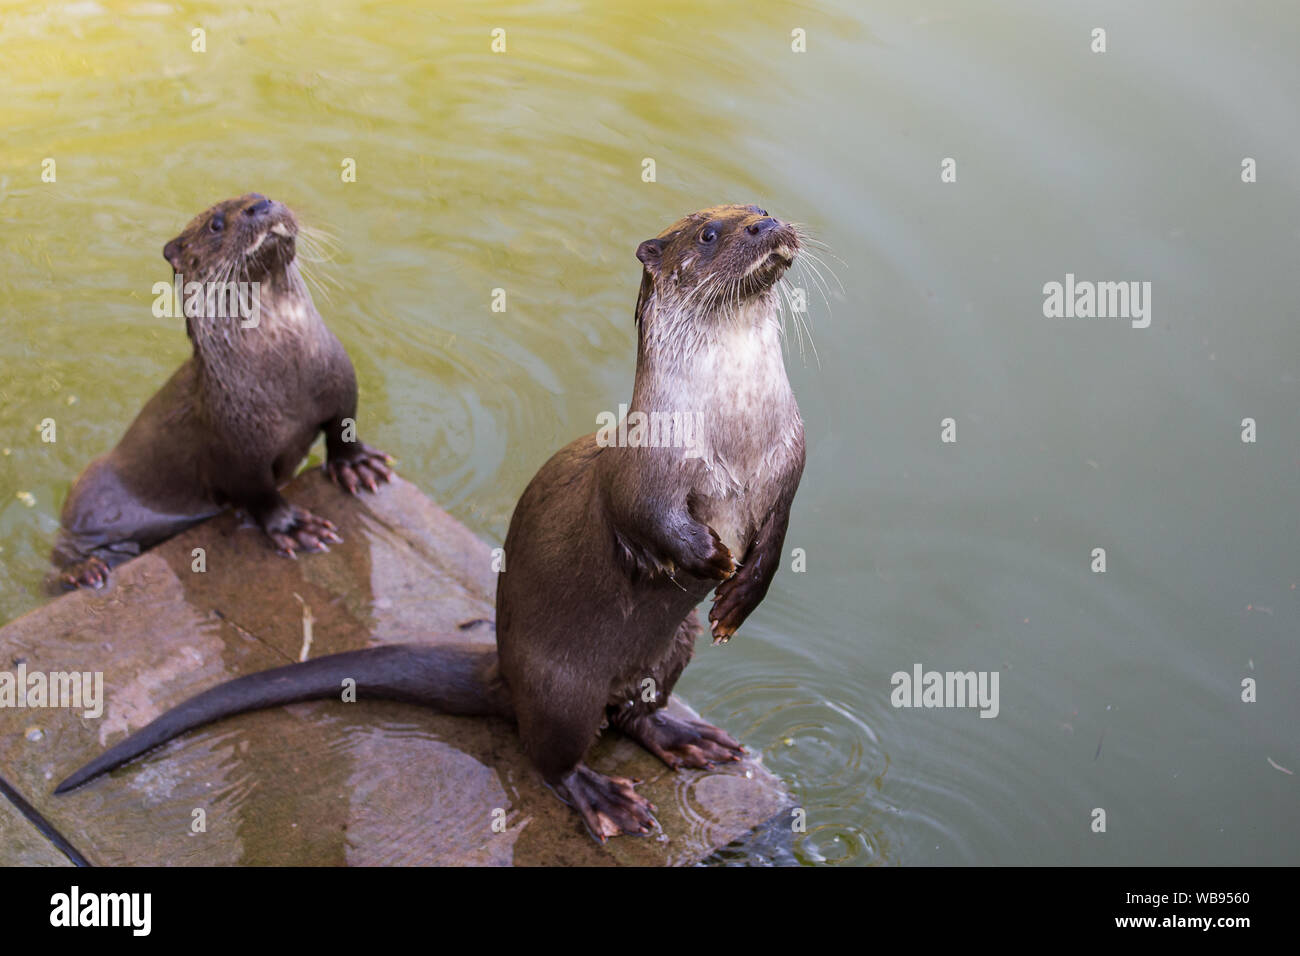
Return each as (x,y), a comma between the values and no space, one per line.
(217,223)
(708,234)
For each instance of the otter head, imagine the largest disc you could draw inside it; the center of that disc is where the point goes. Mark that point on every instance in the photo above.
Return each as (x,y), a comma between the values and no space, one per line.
(242,239)
(714,261)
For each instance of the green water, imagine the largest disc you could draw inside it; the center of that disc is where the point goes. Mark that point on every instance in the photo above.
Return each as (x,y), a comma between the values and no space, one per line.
(522,171)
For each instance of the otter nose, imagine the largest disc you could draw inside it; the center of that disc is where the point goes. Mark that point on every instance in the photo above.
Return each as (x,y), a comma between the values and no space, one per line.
(766,224)
(259,208)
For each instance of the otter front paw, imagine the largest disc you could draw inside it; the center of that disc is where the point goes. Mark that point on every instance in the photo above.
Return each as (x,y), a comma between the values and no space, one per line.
(608,805)
(732,602)
(681,742)
(300,530)
(366,466)
(91,573)
(708,557)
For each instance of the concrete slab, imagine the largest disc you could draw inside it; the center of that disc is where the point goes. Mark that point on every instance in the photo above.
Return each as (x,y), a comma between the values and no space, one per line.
(317,783)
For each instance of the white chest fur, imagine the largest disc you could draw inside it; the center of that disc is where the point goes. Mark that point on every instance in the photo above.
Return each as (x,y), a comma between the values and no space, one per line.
(747,417)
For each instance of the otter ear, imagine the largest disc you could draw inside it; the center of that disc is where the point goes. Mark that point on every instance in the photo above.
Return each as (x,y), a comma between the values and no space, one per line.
(172,253)
(650,253)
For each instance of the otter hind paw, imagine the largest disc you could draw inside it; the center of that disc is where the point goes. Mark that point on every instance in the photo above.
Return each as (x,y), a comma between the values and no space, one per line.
(368,467)
(90,573)
(303,531)
(682,742)
(608,805)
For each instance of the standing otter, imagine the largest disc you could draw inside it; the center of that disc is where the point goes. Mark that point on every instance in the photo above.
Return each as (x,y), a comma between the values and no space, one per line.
(233,423)
(611,547)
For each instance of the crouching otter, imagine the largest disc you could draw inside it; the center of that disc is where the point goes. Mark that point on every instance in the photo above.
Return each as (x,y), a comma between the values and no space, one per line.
(235,421)
(612,545)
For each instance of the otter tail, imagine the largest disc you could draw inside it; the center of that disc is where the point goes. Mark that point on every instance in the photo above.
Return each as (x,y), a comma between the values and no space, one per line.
(451,678)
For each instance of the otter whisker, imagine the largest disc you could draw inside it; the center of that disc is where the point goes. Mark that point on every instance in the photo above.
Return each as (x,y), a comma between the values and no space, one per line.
(318,231)
(319,281)
(784,300)
(313,247)
(804,328)
(808,269)
(815,262)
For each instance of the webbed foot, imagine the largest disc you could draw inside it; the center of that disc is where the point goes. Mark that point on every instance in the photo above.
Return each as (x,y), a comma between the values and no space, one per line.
(367,467)
(609,805)
(682,742)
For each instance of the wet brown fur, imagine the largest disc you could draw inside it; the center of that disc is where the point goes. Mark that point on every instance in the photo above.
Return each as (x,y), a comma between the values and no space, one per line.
(610,548)
(236,419)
